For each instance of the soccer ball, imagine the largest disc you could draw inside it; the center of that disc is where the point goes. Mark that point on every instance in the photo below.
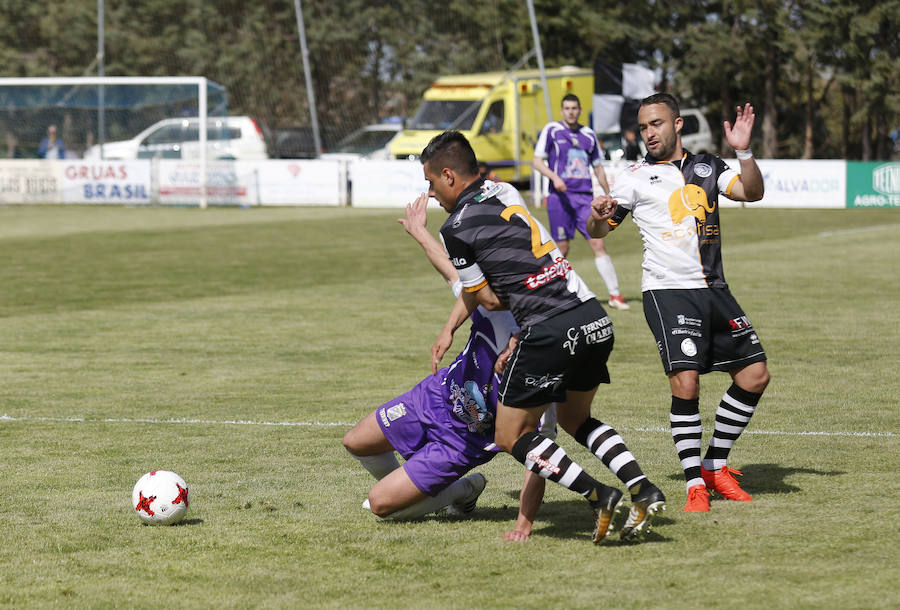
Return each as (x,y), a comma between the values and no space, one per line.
(160,497)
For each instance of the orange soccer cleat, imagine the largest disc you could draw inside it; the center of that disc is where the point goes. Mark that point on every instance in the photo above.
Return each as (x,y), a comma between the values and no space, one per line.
(698,500)
(723,482)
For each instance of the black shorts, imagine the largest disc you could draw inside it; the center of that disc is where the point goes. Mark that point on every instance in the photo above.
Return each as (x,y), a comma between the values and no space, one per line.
(566,352)
(703,329)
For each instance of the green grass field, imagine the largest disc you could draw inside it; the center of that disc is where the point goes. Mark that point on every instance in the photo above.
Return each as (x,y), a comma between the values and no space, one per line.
(237,346)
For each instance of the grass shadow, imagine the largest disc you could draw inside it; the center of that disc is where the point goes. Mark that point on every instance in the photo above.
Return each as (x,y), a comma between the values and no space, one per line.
(769,478)
(564,519)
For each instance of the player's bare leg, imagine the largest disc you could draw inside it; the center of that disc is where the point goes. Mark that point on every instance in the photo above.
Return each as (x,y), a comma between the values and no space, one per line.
(366,442)
(516,433)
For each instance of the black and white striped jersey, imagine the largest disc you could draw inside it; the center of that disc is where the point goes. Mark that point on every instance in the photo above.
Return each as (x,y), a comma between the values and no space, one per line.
(493,239)
(676,208)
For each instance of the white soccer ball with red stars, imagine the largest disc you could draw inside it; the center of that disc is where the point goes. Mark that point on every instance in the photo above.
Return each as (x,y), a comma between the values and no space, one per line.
(160,497)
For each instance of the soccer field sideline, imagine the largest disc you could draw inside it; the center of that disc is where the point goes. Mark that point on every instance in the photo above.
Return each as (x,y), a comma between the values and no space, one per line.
(321,424)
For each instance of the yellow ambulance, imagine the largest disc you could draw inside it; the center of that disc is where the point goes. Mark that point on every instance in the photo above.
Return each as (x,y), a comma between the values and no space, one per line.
(500,113)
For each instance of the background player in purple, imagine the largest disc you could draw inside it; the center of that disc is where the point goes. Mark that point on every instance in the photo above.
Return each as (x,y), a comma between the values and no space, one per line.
(566,153)
(444,426)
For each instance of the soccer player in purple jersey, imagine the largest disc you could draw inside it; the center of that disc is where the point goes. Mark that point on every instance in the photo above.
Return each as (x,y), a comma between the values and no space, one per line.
(443,427)
(566,153)
(698,325)
(506,260)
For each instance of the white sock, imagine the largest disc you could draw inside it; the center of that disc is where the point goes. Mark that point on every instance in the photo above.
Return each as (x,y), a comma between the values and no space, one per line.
(379,465)
(606,270)
(457,490)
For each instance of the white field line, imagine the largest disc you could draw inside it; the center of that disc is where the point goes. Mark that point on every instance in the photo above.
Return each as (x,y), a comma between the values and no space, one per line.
(858,230)
(320,424)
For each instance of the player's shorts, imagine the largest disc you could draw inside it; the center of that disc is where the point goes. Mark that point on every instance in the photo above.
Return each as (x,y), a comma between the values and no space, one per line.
(568,212)
(702,329)
(431,464)
(566,352)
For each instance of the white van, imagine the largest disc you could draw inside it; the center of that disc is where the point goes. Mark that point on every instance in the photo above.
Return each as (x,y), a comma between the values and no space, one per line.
(696,136)
(232,137)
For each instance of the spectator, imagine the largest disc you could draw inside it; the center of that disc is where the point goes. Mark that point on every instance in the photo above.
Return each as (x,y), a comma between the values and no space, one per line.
(52,147)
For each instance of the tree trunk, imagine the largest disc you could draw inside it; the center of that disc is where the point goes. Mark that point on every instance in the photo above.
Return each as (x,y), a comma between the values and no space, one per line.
(808,150)
(770,118)
(867,140)
(727,115)
(845,122)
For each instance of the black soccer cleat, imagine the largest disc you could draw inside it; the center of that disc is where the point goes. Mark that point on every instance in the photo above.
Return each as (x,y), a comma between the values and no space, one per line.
(606,502)
(644,506)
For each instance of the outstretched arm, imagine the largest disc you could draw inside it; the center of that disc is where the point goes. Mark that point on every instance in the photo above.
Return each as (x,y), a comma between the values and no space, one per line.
(529,502)
(414,223)
(602,209)
(750,187)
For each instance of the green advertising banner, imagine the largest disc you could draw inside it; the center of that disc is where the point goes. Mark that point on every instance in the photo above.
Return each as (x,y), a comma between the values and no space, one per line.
(873,184)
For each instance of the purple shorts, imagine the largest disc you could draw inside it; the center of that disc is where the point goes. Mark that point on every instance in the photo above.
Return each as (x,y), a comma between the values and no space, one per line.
(567,212)
(436,455)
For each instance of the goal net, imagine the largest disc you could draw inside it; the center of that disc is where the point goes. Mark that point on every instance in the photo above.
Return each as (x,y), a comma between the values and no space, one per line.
(85,112)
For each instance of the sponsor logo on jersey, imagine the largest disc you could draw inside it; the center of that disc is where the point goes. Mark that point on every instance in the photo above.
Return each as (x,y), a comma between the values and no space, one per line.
(559,268)
(396,412)
(687,331)
(739,323)
(597,331)
(459,261)
(572,343)
(687,321)
(690,200)
(707,233)
(457,220)
(542,381)
(703,170)
(655,180)
(488,190)
(542,463)
(689,348)
(470,407)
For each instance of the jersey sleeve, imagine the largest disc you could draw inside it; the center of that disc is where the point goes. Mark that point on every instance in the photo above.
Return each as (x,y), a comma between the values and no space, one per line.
(463,258)
(727,177)
(541,149)
(594,153)
(623,191)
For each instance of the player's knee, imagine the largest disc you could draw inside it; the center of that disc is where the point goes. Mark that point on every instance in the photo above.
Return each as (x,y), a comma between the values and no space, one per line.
(760,379)
(379,507)
(351,441)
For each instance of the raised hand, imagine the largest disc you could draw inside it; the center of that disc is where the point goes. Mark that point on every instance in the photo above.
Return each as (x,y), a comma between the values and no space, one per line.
(738,135)
(416,214)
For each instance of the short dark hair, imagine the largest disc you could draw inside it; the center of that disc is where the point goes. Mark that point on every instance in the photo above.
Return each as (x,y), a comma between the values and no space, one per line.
(570,97)
(663,98)
(450,149)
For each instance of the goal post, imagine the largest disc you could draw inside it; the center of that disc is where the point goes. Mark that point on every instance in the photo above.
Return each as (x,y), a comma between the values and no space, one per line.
(23,101)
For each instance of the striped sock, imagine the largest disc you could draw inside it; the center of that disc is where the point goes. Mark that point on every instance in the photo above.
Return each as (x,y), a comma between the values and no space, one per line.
(604,442)
(687,429)
(732,417)
(541,455)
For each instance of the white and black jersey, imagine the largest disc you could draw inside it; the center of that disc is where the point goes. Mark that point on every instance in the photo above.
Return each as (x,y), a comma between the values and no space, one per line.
(493,239)
(675,206)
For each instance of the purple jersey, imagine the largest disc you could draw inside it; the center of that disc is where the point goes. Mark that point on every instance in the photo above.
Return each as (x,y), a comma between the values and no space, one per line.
(444,426)
(570,153)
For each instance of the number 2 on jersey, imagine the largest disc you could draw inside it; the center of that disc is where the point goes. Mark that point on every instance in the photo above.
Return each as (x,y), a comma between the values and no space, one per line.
(537,248)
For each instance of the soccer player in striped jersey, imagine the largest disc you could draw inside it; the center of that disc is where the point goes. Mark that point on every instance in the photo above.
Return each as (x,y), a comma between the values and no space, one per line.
(506,260)
(443,427)
(699,327)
